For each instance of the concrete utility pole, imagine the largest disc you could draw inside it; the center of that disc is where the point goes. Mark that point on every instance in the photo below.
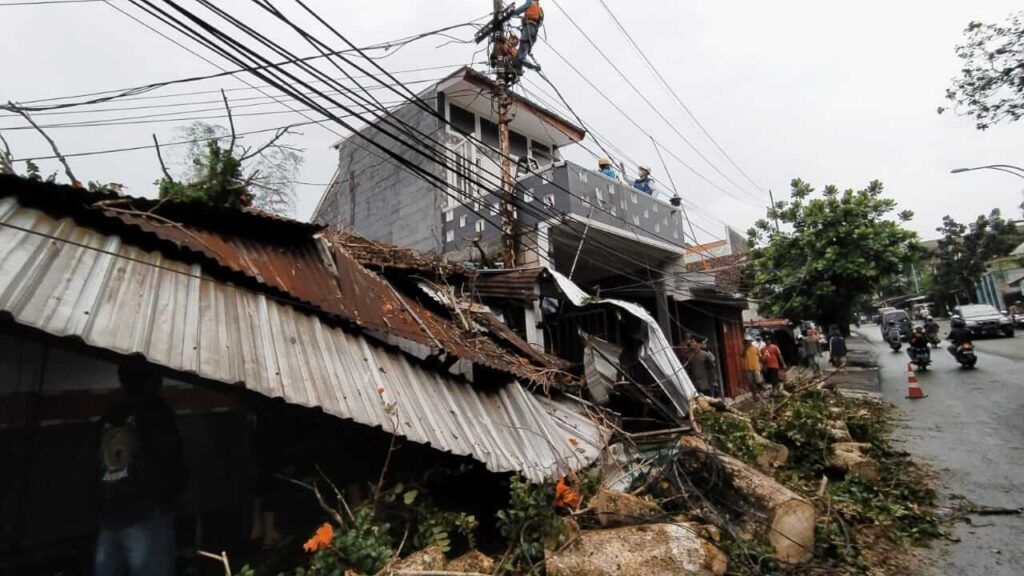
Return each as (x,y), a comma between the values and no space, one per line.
(501,72)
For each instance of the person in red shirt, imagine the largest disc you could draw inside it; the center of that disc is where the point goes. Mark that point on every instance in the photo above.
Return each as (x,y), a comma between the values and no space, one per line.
(771,358)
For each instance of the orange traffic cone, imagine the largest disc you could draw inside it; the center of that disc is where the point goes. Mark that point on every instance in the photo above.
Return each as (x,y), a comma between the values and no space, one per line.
(913,388)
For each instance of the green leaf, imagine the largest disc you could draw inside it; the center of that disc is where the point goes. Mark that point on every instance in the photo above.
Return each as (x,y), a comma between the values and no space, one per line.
(410,496)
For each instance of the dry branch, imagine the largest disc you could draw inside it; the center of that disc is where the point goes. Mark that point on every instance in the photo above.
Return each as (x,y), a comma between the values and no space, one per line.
(11,106)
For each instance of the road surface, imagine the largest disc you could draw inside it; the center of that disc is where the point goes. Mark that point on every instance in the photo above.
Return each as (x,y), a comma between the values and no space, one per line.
(971,429)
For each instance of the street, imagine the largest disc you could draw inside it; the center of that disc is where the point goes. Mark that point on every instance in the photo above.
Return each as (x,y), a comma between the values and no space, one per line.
(970,428)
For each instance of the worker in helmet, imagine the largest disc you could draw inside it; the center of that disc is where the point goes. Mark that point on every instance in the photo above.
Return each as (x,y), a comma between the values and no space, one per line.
(533,19)
(604,165)
(644,183)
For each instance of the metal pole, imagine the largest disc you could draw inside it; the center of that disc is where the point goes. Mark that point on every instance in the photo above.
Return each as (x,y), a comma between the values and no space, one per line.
(508,223)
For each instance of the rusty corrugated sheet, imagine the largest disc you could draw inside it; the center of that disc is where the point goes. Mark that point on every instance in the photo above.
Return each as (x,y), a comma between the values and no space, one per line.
(350,291)
(379,256)
(520,284)
(72,281)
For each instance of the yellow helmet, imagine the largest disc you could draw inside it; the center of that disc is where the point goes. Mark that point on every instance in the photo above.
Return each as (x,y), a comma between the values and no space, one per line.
(604,162)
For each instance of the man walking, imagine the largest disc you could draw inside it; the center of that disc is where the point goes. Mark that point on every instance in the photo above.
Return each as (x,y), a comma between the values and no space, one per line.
(751,357)
(771,357)
(141,476)
(811,350)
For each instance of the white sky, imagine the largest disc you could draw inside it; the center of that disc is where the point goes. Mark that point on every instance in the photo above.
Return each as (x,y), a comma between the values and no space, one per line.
(830,92)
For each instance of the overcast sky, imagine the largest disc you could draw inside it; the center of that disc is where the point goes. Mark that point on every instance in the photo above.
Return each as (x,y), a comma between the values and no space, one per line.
(834,93)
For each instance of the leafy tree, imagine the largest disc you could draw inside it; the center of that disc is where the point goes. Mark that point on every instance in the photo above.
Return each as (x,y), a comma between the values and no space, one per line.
(964,252)
(232,174)
(833,251)
(991,85)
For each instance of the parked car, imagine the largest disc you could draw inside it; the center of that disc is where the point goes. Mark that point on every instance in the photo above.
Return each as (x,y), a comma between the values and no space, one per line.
(985,320)
(902,322)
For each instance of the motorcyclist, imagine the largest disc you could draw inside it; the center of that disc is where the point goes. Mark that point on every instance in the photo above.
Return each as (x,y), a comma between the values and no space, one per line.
(918,343)
(958,334)
(892,333)
(931,329)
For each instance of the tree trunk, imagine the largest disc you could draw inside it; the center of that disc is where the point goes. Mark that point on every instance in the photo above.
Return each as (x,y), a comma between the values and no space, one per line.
(770,454)
(647,550)
(849,458)
(780,517)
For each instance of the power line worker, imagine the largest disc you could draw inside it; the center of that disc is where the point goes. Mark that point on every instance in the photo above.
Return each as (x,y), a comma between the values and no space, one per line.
(533,19)
(604,165)
(644,183)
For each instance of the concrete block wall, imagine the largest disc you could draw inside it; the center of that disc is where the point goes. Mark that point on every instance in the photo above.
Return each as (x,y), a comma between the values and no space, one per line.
(377,198)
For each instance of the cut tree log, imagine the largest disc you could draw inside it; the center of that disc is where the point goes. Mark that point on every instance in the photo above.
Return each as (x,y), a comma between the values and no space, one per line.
(838,431)
(769,454)
(621,509)
(850,458)
(647,550)
(778,515)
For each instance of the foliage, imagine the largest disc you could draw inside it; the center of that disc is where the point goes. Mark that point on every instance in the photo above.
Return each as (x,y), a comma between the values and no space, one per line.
(729,435)
(802,426)
(363,544)
(432,525)
(964,251)
(990,88)
(832,252)
(262,177)
(529,524)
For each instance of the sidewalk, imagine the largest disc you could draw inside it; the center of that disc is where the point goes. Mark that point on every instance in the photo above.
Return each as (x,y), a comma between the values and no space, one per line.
(861,374)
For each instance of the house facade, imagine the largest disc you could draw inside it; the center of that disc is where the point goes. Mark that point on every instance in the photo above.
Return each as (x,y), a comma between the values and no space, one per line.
(599,232)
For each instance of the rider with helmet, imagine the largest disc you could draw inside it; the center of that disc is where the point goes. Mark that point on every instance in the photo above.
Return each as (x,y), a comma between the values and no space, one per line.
(892,333)
(958,334)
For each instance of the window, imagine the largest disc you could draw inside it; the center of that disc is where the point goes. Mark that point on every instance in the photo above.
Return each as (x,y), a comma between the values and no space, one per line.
(600,197)
(549,199)
(462,172)
(635,201)
(449,215)
(657,228)
(517,144)
(462,221)
(636,219)
(647,214)
(528,196)
(489,133)
(449,236)
(462,120)
(480,224)
(583,176)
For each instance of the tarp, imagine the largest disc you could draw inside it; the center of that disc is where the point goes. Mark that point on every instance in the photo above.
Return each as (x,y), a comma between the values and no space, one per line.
(656,350)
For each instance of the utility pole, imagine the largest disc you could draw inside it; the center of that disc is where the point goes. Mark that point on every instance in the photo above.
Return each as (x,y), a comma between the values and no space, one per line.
(504,99)
(772,198)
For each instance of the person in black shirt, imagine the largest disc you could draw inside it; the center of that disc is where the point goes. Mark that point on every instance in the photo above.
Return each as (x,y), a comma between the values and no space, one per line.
(958,334)
(141,476)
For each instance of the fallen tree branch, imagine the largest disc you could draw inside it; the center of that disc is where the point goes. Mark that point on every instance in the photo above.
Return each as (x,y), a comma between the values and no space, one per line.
(11,106)
(993,511)
(160,158)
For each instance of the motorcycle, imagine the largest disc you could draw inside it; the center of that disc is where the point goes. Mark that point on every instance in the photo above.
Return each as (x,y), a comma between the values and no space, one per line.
(933,339)
(895,343)
(965,355)
(920,357)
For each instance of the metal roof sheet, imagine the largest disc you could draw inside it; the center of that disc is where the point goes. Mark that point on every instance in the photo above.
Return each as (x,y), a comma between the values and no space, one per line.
(72,281)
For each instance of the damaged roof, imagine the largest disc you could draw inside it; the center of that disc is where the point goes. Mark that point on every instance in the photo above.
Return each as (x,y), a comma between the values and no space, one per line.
(305,264)
(68,279)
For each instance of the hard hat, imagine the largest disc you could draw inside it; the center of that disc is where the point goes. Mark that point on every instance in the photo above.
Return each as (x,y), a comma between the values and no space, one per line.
(645,169)
(604,162)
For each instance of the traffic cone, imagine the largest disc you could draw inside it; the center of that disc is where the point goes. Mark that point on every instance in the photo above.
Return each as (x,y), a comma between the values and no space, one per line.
(913,388)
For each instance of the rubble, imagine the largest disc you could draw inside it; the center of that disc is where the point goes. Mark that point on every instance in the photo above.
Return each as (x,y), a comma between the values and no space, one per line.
(647,550)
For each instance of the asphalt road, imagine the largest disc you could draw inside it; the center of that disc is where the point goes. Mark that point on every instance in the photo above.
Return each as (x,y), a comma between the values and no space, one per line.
(971,429)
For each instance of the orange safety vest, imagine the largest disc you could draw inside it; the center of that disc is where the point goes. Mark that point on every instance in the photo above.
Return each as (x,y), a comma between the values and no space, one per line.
(534,13)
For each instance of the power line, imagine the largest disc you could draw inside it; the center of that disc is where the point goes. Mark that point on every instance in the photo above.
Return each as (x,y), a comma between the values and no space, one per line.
(675,95)
(42,2)
(643,97)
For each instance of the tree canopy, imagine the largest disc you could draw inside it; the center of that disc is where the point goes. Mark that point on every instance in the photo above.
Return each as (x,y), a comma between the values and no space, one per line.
(233,175)
(964,251)
(827,253)
(990,87)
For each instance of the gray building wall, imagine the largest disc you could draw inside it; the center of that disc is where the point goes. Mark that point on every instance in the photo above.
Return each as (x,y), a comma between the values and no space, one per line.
(373,196)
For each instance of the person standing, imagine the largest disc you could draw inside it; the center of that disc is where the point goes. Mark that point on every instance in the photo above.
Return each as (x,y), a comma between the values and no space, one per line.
(751,356)
(701,367)
(533,19)
(771,357)
(141,476)
(644,183)
(811,350)
(837,351)
(604,166)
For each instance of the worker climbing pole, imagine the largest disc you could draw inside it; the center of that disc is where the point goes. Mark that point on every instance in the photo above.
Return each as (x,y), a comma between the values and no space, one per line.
(508,56)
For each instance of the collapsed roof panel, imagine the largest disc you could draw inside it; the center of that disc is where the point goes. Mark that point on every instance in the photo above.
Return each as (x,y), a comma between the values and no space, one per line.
(72,281)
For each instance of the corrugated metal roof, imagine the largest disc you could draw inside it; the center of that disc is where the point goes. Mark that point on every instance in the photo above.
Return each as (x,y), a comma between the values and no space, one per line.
(520,284)
(72,281)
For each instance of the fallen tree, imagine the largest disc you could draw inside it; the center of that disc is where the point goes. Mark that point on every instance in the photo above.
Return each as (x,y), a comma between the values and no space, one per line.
(777,515)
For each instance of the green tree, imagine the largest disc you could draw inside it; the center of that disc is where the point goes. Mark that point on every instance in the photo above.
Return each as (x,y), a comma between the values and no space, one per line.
(990,87)
(230,174)
(964,251)
(834,251)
